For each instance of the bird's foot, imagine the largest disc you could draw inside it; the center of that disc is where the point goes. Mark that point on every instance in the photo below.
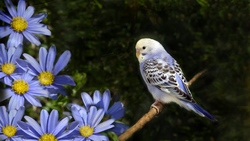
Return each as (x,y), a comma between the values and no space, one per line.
(155,105)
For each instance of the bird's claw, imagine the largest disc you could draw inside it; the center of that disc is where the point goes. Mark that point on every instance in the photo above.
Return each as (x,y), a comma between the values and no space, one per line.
(155,106)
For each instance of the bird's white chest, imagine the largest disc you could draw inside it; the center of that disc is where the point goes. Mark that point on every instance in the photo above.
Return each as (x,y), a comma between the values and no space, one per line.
(164,97)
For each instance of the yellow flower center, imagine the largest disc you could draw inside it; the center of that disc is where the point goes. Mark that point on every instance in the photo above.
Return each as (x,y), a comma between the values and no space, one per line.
(19,24)
(20,86)
(9,130)
(47,137)
(46,78)
(86,131)
(8,68)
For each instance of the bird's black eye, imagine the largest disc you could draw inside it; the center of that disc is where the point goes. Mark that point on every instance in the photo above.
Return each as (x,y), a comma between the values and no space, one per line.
(143,47)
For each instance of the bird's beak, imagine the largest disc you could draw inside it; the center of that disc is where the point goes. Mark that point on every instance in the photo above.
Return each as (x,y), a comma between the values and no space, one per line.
(137,52)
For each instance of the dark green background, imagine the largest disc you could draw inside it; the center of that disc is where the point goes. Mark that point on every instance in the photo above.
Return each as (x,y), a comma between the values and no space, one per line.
(199,34)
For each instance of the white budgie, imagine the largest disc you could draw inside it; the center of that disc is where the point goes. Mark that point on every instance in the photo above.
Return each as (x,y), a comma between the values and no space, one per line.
(164,77)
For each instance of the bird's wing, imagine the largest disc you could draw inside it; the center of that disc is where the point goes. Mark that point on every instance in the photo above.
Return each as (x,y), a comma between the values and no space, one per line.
(167,77)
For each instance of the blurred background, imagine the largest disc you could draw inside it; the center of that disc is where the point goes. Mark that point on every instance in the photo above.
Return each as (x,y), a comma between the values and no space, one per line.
(199,34)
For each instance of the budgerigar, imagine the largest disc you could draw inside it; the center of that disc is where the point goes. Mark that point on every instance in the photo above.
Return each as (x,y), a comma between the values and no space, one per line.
(164,77)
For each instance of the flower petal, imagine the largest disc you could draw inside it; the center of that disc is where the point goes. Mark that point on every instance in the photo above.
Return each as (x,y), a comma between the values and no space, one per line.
(8,79)
(104,126)
(15,102)
(21,8)
(2,75)
(106,100)
(34,125)
(53,118)
(3,137)
(69,133)
(3,53)
(44,115)
(87,100)
(98,137)
(76,115)
(61,126)
(117,110)
(5,94)
(64,80)
(96,97)
(29,12)
(42,58)
(17,53)
(33,62)
(4,116)
(27,129)
(32,38)
(26,67)
(37,18)
(32,100)
(11,8)
(51,58)
(119,128)
(96,116)
(4,31)
(62,62)
(4,17)
(18,115)
(39,29)
(15,39)
(57,89)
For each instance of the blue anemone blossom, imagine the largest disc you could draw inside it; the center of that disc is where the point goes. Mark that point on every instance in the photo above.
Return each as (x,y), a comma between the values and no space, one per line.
(21,23)
(50,129)
(9,130)
(23,88)
(8,66)
(90,127)
(46,72)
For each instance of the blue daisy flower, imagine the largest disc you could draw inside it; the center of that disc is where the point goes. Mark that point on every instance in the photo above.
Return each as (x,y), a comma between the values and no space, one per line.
(90,127)
(21,24)
(46,72)
(116,111)
(8,124)
(23,87)
(8,66)
(51,129)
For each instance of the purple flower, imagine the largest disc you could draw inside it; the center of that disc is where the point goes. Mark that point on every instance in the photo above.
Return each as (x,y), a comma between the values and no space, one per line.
(116,111)
(23,87)
(8,66)
(46,72)
(90,127)
(51,128)
(21,23)
(8,123)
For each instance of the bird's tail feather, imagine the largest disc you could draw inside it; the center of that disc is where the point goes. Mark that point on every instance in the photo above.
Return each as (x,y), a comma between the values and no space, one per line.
(200,111)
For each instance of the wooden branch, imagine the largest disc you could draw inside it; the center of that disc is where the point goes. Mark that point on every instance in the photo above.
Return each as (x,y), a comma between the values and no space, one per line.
(140,123)
(190,82)
(150,115)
